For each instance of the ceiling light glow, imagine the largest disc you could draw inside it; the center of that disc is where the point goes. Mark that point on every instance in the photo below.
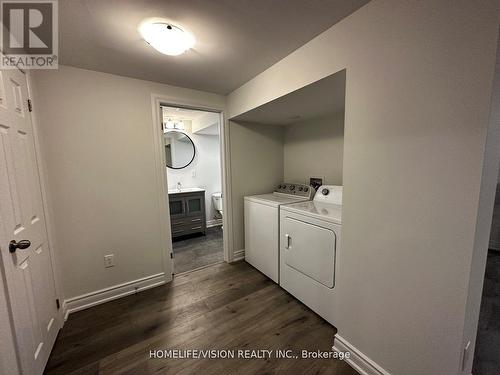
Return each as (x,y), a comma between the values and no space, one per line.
(166,37)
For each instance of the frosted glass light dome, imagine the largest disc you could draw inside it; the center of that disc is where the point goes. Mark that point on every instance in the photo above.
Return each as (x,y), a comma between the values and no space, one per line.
(166,37)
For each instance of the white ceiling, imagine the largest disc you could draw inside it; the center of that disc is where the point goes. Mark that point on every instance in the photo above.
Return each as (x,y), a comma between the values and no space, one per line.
(318,99)
(209,130)
(181,113)
(235,39)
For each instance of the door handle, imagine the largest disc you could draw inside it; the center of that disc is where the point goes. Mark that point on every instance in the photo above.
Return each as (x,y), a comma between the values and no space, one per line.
(288,239)
(14,245)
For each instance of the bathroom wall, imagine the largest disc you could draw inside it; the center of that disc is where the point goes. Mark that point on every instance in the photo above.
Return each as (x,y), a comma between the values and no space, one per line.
(204,172)
(307,144)
(418,94)
(208,120)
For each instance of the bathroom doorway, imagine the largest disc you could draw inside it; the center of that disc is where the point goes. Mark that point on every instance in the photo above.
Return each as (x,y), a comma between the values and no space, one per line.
(192,146)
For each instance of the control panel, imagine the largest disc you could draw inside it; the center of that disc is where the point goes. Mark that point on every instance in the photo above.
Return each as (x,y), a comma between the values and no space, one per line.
(329,194)
(300,190)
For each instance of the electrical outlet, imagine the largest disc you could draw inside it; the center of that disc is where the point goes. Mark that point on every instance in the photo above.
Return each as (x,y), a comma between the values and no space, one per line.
(109,260)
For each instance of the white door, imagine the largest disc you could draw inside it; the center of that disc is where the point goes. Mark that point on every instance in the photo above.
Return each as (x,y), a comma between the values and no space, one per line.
(28,271)
(309,249)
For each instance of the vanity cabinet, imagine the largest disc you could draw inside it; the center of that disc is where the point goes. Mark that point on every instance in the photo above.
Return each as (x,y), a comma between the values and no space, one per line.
(187,213)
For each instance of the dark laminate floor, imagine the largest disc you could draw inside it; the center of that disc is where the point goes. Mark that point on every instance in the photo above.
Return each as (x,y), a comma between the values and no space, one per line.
(487,357)
(197,250)
(218,307)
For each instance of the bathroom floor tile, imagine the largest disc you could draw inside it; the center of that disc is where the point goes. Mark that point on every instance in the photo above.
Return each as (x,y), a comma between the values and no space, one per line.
(191,252)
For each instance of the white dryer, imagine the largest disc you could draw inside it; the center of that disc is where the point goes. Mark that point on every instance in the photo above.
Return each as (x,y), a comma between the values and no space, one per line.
(262,225)
(309,243)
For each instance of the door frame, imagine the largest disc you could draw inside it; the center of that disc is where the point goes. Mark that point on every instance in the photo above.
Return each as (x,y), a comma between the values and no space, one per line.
(158,100)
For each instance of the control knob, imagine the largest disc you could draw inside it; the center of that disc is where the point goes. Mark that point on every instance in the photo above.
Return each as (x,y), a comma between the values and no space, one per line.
(292,187)
(325,191)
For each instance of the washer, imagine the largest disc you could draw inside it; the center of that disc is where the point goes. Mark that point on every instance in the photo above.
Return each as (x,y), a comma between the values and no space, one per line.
(262,225)
(309,243)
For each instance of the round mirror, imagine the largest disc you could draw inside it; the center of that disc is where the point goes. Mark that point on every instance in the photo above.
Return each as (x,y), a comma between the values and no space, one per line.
(179,149)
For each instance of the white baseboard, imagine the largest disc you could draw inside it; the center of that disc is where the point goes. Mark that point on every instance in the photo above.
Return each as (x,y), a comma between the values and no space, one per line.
(357,360)
(239,255)
(214,223)
(65,311)
(85,301)
(494,245)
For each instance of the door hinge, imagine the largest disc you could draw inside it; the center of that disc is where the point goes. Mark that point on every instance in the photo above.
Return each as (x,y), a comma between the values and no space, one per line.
(171,255)
(58,304)
(30,105)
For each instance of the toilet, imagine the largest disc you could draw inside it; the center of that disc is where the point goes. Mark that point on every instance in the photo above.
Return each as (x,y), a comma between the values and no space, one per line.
(217,200)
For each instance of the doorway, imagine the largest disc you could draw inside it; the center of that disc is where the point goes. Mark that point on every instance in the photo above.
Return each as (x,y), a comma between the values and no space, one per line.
(192,148)
(486,358)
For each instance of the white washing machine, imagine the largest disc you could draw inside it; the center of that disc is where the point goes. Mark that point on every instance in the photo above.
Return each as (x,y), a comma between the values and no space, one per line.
(310,240)
(262,225)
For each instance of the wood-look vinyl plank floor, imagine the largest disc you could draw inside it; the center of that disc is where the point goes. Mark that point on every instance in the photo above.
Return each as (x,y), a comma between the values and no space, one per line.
(219,307)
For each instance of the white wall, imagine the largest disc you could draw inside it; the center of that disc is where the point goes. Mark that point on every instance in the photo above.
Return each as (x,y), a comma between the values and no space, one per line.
(256,167)
(263,156)
(308,143)
(96,131)
(419,77)
(206,167)
(204,121)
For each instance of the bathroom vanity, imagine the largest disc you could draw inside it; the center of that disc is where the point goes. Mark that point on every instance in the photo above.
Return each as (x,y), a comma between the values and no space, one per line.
(187,211)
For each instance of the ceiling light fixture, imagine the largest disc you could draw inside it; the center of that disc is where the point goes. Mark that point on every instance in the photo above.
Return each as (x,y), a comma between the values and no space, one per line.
(173,124)
(165,37)
(169,124)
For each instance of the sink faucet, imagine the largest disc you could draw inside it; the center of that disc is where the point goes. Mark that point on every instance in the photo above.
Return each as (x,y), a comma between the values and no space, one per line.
(179,186)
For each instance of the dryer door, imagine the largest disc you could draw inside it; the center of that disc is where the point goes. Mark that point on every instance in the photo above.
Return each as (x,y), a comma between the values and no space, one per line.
(309,249)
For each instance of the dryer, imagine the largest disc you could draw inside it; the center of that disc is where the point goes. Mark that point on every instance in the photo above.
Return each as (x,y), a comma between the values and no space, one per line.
(262,225)
(310,241)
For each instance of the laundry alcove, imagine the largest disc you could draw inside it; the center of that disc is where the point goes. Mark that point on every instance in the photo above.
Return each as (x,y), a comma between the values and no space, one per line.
(293,138)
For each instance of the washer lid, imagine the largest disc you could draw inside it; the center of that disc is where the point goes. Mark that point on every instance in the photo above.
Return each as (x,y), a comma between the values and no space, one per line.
(275,199)
(319,210)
